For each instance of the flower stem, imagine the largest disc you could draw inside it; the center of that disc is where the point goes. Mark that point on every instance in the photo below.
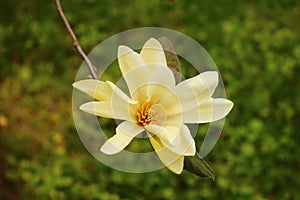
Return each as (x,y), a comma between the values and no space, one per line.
(75,41)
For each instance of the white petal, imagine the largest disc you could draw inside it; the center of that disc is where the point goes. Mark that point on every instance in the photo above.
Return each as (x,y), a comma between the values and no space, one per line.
(169,135)
(128,59)
(177,165)
(161,77)
(106,109)
(102,90)
(171,160)
(117,106)
(209,111)
(121,104)
(125,132)
(137,78)
(186,145)
(118,95)
(94,88)
(116,144)
(196,90)
(130,128)
(169,102)
(153,53)
(102,109)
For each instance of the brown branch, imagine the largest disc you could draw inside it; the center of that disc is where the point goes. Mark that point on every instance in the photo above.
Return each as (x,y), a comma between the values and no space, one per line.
(75,41)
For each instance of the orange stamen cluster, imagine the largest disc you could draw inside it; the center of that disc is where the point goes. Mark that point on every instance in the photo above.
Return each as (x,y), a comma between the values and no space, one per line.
(144,115)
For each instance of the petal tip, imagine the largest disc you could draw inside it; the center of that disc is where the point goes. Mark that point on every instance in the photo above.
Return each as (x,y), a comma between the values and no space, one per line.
(177,166)
(177,172)
(77,85)
(152,43)
(86,85)
(123,50)
(109,149)
(152,40)
(191,153)
(230,105)
(83,107)
(88,107)
(211,75)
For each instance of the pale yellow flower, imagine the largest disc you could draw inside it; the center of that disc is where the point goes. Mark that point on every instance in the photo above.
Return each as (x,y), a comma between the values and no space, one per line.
(156,104)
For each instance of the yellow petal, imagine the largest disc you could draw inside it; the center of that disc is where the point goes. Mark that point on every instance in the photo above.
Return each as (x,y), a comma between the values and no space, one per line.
(137,78)
(172,161)
(161,79)
(153,53)
(168,101)
(102,109)
(106,109)
(118,96)
(208,111)
(128,59)
(125,132)
(122,106)
(129,128)
(168,135)
(116,144)
(177,165)
(186,146)
(100,90)
(196,90)
(94,88)
(118,105)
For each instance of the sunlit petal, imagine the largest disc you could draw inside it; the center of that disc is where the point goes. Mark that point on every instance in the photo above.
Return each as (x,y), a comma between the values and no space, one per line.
(177,165)
(137,78)
(161,80)
(129,128)
(209,111)
(153,53)
(169,102)
(94,88)
(128,59)
(118,96)
(105,109)
(196,90)
(169,135)
(102,109)
(187,144)
(171,160)
(116,143)
(125,132)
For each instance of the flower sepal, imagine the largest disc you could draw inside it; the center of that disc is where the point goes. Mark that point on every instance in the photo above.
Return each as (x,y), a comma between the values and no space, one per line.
(171,57)
(197,165)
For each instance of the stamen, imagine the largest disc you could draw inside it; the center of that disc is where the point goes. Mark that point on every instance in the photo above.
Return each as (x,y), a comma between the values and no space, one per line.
(145,116)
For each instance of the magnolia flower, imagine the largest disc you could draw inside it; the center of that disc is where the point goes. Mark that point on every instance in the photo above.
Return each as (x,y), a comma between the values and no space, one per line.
(156,104)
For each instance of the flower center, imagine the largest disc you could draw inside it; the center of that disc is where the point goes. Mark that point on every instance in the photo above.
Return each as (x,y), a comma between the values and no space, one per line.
(147,114)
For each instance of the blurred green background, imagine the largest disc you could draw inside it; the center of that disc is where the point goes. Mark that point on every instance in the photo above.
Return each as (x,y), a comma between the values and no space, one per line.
(256,45)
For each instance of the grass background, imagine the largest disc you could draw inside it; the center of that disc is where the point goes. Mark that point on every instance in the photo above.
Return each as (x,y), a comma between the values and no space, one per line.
(256,45)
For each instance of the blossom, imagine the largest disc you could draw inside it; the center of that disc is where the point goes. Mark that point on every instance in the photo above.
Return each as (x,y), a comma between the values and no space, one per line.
(155,105)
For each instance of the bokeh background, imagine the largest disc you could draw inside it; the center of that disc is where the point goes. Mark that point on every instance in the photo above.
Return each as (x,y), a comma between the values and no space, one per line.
(255,44)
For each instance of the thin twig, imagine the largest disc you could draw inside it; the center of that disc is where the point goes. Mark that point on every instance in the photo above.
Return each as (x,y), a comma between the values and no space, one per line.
(75,41)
